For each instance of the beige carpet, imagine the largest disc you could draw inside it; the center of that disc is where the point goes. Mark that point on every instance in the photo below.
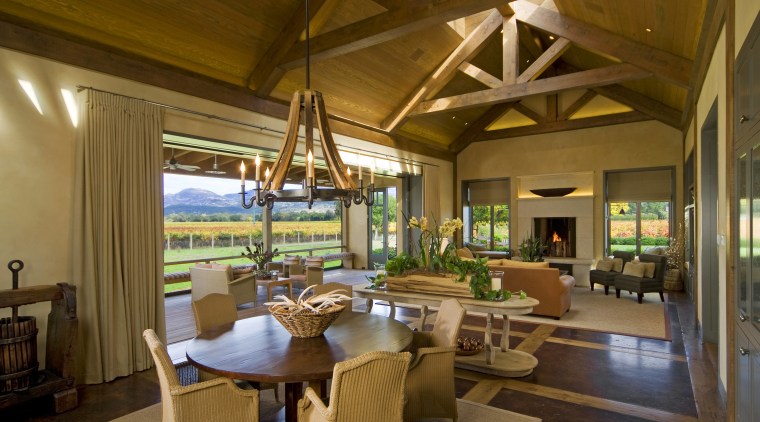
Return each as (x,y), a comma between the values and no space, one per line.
(597,312)
(468,411)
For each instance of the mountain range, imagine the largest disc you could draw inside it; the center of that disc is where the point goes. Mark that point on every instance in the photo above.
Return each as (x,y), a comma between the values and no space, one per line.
(202,201)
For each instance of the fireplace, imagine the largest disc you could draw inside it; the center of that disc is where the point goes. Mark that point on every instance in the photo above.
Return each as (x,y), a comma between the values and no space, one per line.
(558,234)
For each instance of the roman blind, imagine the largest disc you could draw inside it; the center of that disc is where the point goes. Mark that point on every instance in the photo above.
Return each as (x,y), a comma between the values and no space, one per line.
(640,185)
(492,192)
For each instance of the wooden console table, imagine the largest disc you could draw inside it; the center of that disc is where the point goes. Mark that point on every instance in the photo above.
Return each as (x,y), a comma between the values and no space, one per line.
(60,349)
(500,360)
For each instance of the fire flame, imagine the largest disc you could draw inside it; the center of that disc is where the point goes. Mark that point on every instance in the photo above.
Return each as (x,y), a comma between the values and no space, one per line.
(556,238)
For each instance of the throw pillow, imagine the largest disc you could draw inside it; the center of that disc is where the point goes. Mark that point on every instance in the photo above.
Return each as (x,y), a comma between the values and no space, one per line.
(239,271)
(648,269)
(617,264)
(634,269)
(604,265)
(465,253)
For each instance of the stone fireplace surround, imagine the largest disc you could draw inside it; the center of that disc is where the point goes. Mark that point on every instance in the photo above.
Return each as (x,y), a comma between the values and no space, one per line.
(579,204)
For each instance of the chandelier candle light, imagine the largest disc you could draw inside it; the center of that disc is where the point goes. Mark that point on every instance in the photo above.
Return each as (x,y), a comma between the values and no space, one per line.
(305,106)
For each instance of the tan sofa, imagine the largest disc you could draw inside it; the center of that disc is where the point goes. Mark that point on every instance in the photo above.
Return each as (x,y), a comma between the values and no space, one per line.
(539,282)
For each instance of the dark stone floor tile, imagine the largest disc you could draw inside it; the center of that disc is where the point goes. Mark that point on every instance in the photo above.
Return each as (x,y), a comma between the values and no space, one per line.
(626,377)
(462,386)
(550,410)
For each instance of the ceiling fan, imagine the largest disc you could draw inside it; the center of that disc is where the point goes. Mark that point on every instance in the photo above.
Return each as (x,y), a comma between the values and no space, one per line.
(172,164)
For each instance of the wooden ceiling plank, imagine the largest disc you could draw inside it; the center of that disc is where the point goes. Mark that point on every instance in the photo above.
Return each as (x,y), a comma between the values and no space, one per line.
(584,79)
(577,105)
(708,38)
(662,64)
(480,75)
(384,27)
(267,74)
(642,103)
(468,49)
(525,111)
(475,129)
(29,41)
(545,60)
(564,125)
(510,43)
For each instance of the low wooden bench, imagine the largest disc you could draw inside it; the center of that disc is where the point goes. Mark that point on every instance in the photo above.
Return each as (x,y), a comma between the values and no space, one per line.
(180,276)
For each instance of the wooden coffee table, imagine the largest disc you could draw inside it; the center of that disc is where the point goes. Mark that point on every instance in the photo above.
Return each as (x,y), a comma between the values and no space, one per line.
(281,281)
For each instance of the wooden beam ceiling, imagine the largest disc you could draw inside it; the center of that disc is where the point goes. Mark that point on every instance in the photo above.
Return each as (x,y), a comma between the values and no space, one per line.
(469,48)
(583,79)
(394,23)
(661,64)
(563,125)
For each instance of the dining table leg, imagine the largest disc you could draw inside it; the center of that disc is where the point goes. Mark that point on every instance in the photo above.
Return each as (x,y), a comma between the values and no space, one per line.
(293,393)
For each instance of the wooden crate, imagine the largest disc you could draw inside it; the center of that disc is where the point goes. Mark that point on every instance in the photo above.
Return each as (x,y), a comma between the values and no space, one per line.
(442,284)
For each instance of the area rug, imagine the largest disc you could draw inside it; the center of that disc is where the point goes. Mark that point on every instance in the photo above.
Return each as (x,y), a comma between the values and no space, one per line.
(596,312)
(468,411)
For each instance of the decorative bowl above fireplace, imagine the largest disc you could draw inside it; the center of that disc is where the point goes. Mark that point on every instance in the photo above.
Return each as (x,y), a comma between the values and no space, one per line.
(553,192)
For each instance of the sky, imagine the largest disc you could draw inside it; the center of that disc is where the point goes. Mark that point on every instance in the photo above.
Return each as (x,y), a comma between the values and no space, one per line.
(174,183)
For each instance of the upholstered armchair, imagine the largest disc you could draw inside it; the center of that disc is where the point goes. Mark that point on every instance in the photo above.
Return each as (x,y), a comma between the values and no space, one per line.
(220,279)
(430,390)
(213,310)
(650,280)
(607,270)
(217,399)
(368,388)
(309,273)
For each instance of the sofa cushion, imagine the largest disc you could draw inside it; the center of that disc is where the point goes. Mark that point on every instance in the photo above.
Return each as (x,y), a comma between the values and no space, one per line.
(634,268)
(495,262)
(475,247)
(522,264)
(604,265)
(465,253)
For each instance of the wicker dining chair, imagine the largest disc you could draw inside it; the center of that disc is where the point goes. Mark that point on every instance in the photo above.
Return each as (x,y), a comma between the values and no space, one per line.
(218,399)
(217,309)
(320,289)
(430,387)
(368,388)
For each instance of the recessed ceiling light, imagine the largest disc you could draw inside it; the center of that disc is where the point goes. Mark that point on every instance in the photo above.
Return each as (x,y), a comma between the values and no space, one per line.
(551,37)
(649,29)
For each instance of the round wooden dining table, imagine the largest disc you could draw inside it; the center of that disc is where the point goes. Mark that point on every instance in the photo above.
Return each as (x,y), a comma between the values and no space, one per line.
(259,349)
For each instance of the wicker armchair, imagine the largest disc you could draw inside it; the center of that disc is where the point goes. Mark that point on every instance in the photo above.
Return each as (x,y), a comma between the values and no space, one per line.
(368,388)
(329,287)
(218,399)
(430,387)
(217,309)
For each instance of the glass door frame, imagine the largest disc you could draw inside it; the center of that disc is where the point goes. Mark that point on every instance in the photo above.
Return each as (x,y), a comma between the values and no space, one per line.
(381,198)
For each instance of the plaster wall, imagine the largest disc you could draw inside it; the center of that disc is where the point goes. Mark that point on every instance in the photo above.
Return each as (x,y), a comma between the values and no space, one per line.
(626,146)
(37,163)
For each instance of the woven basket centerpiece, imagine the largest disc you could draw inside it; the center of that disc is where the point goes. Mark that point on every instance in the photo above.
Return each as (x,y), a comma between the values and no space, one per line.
(305,323)
(309,316)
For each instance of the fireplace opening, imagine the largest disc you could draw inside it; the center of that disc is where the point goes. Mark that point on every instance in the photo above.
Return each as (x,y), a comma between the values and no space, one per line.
(557,234)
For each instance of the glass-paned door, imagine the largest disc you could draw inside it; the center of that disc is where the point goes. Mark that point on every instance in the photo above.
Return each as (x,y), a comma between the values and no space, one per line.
(382,226)
(742,271)
(482,233)
(622,227)
(636,226)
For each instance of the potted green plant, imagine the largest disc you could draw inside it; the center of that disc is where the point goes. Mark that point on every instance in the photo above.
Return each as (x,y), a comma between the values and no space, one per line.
(261,257)
(532,249)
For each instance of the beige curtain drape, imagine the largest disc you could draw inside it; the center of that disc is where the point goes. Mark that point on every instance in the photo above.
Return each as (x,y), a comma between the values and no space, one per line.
(118,234)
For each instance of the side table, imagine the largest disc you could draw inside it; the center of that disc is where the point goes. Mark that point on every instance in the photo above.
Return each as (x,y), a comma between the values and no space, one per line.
(269,283)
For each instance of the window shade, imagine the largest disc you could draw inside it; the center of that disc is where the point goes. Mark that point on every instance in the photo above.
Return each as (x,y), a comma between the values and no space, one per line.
(648,185)
(492,192)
